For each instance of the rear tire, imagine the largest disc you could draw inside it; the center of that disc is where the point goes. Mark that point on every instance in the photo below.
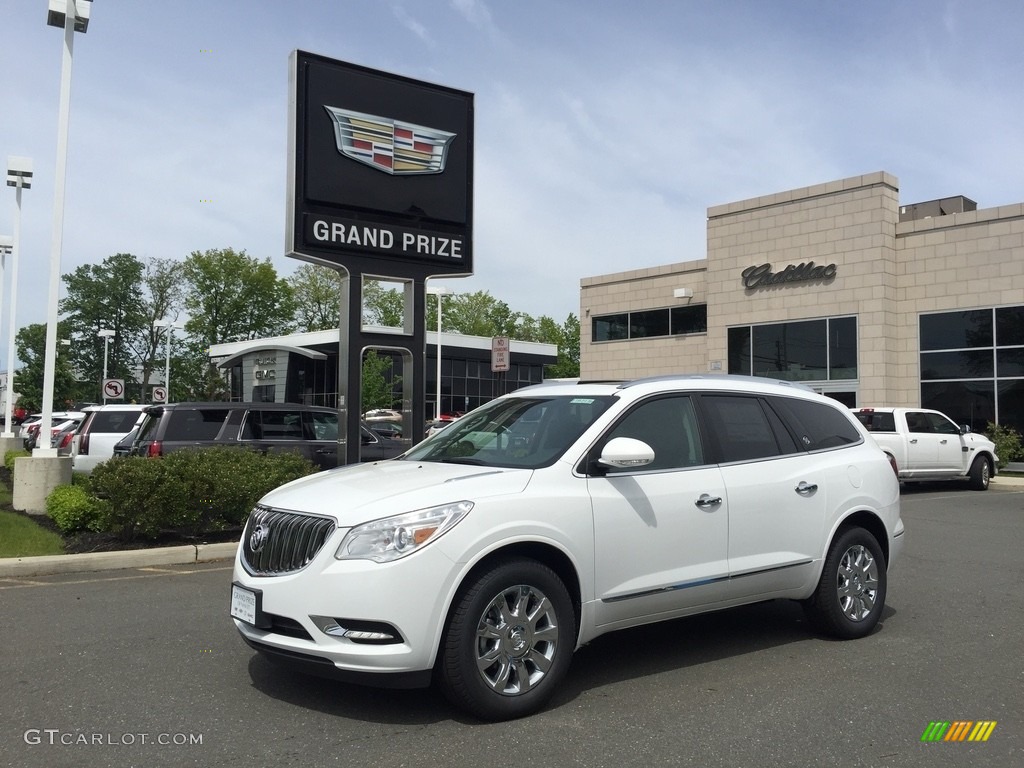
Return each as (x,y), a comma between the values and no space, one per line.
(851,592)
(981,474)
(509,641)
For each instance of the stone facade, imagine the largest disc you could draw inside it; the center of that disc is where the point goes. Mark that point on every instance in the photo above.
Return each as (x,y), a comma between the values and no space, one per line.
(884,272)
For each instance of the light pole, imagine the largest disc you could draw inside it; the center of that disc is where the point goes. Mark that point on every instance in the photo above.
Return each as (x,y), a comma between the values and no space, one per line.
(440,291)
(170,326)
(19,176)
(73,16)
(6,249)
(106,334)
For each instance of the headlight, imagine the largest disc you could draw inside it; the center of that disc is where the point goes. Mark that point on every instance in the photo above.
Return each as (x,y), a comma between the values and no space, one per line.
(395,537)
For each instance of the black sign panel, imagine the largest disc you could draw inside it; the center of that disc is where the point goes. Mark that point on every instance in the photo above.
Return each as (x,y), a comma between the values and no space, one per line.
(382,168)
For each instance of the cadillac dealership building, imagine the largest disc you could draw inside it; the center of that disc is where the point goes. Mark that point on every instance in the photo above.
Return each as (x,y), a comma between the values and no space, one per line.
(837,286)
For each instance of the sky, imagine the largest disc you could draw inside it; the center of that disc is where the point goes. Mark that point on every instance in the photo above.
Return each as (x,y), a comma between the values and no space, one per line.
(604,129)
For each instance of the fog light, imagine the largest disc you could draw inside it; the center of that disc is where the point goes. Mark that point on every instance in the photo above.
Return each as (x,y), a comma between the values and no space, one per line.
(369,632)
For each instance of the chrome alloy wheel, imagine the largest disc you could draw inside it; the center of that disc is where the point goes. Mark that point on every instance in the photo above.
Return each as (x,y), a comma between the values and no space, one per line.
(516,640)
(857,582)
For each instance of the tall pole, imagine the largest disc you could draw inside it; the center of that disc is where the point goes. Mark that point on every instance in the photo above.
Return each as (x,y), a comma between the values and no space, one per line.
(19,176)
(106,348)
(167,370)
(60,179)
(437,405)
(4,250)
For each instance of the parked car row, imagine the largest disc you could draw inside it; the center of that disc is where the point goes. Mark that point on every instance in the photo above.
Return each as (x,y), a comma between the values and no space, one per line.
(156,430)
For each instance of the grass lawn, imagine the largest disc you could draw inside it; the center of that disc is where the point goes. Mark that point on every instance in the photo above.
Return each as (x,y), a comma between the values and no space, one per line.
(20,537)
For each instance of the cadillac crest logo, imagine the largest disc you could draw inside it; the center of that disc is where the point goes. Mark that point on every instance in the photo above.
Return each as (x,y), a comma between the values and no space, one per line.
(390,146)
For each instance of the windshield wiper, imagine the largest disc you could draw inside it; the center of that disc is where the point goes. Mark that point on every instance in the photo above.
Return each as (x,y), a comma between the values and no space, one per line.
(464,460)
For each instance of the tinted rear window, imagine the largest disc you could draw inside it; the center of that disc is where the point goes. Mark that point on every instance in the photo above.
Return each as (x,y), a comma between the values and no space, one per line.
(195,424)
(877,422)
(817,425)
(113,421)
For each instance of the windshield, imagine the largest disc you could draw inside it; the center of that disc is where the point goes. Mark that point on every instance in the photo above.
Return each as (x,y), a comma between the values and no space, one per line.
(514,432)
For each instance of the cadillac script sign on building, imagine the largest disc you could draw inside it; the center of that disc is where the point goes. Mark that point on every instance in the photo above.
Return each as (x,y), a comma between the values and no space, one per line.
(382,168)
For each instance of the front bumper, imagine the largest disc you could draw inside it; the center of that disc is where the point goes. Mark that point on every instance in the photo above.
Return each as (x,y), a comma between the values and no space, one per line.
(295,611)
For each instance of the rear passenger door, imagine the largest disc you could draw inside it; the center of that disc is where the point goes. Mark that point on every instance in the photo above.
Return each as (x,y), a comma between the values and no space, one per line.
(660,531)
(776,494)
(273,430)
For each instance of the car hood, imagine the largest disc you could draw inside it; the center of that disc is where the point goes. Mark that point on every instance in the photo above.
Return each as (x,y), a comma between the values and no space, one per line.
(362,492)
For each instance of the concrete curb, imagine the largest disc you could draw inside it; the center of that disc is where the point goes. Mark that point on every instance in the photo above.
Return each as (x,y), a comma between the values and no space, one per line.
(50,565)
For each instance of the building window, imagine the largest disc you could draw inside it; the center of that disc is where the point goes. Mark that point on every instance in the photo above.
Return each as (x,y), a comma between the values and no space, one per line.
(650,323)
(972,365)
(689,319)
(803,350)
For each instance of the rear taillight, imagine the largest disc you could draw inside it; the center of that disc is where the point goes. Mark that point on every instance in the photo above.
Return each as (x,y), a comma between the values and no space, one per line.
(892,463)
(66,441)
(83,445)
(156,449)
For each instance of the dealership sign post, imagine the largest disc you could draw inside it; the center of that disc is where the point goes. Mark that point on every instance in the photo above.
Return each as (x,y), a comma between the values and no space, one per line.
(380,187)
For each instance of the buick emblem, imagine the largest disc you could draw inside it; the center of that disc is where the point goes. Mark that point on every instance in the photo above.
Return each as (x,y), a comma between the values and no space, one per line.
(390,146)
(258,538)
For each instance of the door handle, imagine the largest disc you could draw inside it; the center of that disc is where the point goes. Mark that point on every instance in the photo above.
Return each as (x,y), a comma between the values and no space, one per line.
(943,442)
(914,440)
(706,502)
(805,488)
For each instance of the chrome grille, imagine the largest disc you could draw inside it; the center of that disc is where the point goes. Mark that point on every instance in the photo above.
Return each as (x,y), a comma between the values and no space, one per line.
(276,542)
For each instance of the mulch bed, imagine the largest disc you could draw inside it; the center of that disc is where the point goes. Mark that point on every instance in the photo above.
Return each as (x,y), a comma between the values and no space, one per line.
(88,541)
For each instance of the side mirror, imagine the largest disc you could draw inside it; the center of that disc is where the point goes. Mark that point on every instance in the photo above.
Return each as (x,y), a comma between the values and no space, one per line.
(626,453)
(965,429)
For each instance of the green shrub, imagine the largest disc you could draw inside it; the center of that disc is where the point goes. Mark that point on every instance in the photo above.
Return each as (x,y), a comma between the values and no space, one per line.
(1008,443)
(192,491)
(72,508)
(10,456)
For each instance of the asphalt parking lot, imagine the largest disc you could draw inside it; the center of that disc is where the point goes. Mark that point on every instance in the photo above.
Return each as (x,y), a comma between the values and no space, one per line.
(142,666)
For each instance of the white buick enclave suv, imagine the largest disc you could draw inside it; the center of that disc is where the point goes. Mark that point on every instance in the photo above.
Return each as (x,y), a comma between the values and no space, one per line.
(483,557)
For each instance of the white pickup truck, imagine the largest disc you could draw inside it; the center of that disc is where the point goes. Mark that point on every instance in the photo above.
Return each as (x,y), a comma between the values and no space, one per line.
(928,445)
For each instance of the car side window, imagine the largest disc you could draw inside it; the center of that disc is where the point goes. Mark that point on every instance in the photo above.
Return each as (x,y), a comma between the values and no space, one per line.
(195,424)
(280,425)
(739,427)
(940,425)
(325,426)
(669,426)
(817,426)
(919,422)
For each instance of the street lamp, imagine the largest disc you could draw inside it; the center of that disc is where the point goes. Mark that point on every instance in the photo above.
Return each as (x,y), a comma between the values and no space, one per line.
(73,16)
(439,291)
(170,326)
(106,334)
(19,176)
(6,249)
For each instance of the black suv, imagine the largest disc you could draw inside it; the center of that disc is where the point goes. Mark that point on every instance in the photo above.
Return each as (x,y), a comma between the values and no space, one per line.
(311,430)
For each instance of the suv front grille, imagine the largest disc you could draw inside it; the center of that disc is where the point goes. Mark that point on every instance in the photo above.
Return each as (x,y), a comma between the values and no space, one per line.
(275,543)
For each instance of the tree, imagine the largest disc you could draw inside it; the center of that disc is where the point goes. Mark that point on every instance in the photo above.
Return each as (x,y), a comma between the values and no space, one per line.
(378,381)
(480,314)
(231,296)
(567,338)
(317,292)
(163,281)
(234,297)
(383,304)
(104,296)
(30,343)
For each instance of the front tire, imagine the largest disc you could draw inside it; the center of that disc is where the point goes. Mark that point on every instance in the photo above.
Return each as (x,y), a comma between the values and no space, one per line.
(509,641)
(981,474)
(851,592)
